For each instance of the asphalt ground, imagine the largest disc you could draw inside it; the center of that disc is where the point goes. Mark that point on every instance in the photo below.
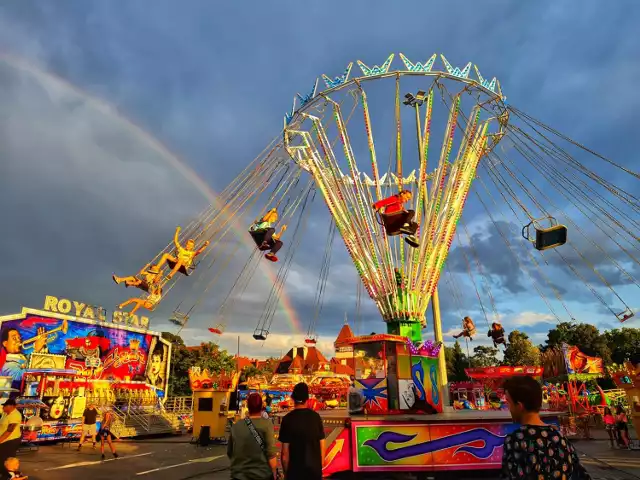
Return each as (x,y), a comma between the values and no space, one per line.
(173,458)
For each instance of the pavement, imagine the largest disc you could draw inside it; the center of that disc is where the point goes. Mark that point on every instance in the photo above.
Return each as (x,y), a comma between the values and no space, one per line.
(173,458)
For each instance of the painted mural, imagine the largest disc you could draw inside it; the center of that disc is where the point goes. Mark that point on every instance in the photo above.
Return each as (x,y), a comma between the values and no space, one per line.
(415,446)
(424,383)
(99,351)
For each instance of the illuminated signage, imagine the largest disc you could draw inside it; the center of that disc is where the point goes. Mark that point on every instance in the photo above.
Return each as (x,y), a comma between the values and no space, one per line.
(92,312)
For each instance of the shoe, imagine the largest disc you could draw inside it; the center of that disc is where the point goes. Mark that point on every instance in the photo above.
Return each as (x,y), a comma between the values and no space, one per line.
(264,246)
(271,257)
(413,241)
(79,447)
(103,457)
(94,445)
(406,229)
(115,455)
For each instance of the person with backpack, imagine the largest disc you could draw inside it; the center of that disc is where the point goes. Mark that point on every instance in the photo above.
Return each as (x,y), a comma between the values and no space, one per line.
(355,398)
(251,446)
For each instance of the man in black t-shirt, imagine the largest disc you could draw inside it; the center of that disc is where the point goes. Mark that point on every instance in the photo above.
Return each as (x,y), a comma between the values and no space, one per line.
(302,438)
(89,418)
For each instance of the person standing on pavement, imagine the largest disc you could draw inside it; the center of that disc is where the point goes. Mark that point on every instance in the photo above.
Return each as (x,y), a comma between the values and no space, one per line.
(105,433)
(302,438)
(622,426)
(251,446)
(536,451)
(10,433)
(89,419)
(610,425)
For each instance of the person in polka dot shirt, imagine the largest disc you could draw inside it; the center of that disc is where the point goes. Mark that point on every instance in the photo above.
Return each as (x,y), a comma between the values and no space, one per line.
(536,451)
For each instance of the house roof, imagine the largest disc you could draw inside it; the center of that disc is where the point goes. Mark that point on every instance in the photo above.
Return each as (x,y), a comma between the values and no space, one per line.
(342,369)
(345,334)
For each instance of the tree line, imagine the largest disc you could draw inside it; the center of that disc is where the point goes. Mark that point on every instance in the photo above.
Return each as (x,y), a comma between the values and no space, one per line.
(208,355)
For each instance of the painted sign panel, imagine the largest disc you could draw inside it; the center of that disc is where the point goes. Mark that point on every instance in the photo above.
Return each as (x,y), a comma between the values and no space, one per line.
(375,394)
(415,446)
(337,457)
(44,341)
(409,446)
(578,362)
(424,375)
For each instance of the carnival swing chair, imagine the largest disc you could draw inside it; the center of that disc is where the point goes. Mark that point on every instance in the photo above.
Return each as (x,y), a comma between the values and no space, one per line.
(552,236)
(261,334)
(178,318)
(625,315)
(218,329)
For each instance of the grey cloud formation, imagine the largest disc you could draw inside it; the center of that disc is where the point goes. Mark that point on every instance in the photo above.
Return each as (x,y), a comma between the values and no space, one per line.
(81,196)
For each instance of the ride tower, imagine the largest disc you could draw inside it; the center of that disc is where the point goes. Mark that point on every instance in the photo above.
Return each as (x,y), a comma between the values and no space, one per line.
(397,218)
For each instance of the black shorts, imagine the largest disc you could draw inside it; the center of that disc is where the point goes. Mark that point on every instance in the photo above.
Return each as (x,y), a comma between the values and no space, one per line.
(106,433)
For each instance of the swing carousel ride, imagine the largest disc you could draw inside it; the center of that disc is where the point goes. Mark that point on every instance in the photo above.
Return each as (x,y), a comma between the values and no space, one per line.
(368,145)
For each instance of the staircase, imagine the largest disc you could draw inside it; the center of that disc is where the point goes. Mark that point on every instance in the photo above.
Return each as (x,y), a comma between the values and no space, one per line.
(134,420)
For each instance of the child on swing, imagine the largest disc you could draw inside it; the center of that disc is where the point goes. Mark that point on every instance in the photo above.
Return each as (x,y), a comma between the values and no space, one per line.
(150,276)
(497,334)
(468,329)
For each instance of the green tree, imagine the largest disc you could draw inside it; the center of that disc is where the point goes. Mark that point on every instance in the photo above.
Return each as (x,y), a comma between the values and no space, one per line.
(624,344)
(456,363)
(582,335)
(181,360)
(249,372)
(213,358)
(485,356)
(521,351)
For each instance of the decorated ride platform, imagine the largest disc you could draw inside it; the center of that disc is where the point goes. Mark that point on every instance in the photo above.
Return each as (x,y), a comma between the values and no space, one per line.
(404,425)
(452,440)
(57,360)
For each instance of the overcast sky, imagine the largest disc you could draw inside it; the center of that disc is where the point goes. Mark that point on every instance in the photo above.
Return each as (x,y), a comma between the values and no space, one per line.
(100,100)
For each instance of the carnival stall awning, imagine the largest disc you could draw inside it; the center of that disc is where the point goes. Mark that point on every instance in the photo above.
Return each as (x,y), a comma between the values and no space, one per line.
(498,372)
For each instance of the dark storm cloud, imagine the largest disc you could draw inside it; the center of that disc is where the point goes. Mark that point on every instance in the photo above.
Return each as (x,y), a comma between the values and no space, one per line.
(504,269)
(80,197)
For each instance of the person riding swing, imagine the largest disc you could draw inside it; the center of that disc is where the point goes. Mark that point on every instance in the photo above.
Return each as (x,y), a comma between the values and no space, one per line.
(149,302)
(264,235)
(396,219)
(497,334)
(150,276)
(182,261)
(468,329)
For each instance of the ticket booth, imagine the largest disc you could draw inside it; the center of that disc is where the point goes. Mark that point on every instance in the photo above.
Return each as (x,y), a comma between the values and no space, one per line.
(395,376)
(211,394)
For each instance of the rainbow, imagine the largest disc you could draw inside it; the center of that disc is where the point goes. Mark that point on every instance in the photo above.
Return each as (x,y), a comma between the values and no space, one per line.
(175,161)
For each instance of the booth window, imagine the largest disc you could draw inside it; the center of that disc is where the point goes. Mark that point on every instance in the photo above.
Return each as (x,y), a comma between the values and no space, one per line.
(205,404)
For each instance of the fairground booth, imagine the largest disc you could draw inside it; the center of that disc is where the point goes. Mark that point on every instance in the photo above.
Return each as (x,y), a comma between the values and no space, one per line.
(627,377)
(402,426)
(57,360)
(211,400)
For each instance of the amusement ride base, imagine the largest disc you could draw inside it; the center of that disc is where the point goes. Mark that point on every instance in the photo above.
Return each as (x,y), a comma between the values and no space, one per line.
(458,440)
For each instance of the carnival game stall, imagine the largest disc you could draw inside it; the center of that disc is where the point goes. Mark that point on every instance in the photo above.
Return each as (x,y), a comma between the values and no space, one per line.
(627,377)
(330,388)
(63,361)
(484,391)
